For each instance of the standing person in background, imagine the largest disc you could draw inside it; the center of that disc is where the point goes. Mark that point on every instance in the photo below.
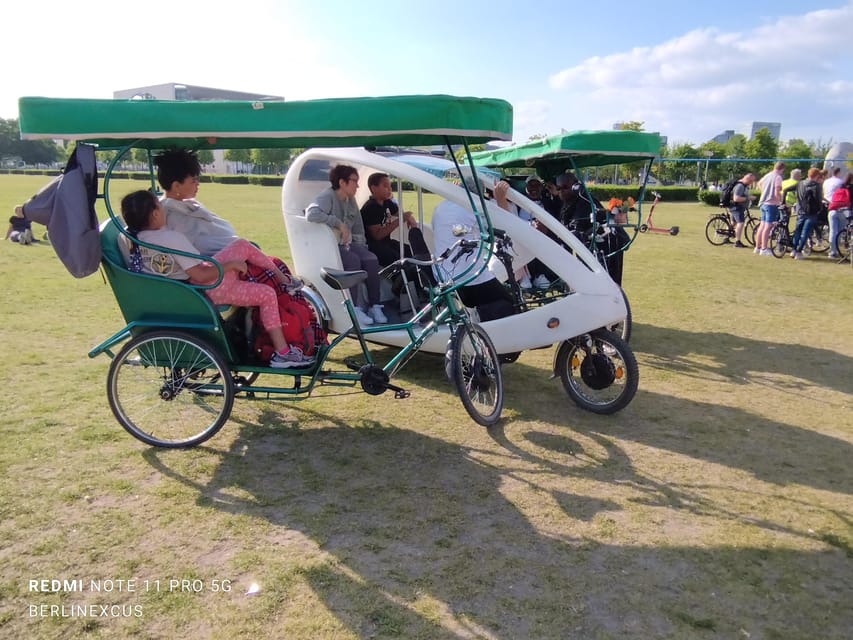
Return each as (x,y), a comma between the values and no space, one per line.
(831,184)
(809,203)
(789,189)
(740,203)
(839,213)
(771,198)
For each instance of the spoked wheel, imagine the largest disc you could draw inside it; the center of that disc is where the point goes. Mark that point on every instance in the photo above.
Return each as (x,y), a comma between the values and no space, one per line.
(819,239)
(780,242)
(598,371)
(474,369)
(718,231)
(623,327)
(170,389)
(843,242)
(749,229)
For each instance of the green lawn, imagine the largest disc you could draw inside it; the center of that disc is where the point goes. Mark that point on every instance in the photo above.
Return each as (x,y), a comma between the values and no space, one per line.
(716,505)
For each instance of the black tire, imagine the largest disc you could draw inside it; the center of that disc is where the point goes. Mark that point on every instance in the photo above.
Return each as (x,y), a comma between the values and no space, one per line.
(749,229)
(780,242)
(609,382)
(170,389)
(819,239)
(842,242)
(718,231)
(623,327)
(474,368)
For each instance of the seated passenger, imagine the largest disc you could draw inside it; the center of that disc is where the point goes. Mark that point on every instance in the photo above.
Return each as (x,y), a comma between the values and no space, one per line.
(146,221)
(336,206)
(485,292)
(381,216)
(178,172)
(578,211)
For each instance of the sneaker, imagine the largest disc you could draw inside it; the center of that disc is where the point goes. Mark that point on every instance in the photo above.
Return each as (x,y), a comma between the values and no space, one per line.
(525,283)
(766,252)
(541,282)
(740,245)
(26,237)
(799,256)
(833,256)
(293,359)
(756,250)
(362,317)
(375,313)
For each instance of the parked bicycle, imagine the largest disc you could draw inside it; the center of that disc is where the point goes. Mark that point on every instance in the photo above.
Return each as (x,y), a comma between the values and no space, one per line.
(721,228)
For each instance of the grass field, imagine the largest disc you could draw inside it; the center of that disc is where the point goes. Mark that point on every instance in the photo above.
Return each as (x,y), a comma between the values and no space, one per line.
(716,505)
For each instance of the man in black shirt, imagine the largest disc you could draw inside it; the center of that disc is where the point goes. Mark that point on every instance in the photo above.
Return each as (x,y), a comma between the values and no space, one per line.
(381,217)
(577,213)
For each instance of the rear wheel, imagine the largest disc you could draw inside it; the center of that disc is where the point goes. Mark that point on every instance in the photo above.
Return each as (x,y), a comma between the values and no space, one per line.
(475,371)
(780,241)
(170,389)
(718,231)
(599,371)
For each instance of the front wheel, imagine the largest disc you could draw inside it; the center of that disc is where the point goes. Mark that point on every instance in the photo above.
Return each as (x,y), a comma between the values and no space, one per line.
(718,231)
(474,368)
(170,389)
(843,241)
(779,241)
(749,229)
(599,371)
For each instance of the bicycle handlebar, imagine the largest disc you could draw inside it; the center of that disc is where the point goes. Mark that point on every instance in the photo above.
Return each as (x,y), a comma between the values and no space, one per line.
(461,247)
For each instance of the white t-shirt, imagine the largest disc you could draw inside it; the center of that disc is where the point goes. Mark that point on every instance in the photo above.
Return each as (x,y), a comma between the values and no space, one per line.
(446,215)
(829,187)
(168,265)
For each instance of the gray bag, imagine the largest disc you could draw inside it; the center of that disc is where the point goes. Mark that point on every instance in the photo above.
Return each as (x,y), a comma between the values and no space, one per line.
(66,207)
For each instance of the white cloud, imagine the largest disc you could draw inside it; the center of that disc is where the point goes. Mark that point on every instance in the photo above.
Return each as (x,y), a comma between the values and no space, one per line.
(793,70)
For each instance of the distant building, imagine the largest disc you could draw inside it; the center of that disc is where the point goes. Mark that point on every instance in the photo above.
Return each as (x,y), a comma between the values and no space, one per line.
(724,137)
(775,128)
(177,91)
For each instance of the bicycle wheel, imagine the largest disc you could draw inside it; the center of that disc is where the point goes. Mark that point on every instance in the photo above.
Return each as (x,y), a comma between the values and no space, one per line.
(623,327)
(843,241)
(780,242)
(749,229)
(599,371)
(718,231)
(819,238)
(170,389)
(475,371)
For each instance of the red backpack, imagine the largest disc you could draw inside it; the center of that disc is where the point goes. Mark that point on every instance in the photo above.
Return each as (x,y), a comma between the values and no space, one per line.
(840,199)
(300,325)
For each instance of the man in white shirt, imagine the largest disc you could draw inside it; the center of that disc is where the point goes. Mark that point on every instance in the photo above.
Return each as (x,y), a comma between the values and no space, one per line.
(832,183)
(485,292)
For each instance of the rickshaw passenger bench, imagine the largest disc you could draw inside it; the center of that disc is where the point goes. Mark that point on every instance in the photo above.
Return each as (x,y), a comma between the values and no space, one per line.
(150,302)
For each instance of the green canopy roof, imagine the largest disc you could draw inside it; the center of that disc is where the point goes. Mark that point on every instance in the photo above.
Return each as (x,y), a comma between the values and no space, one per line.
(555,154)
(402,120)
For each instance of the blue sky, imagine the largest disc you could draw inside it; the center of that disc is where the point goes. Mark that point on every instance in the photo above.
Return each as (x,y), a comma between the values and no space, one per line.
(687,70)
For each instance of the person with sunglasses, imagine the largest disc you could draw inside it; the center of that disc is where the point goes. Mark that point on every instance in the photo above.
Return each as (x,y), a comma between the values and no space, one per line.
(336,207)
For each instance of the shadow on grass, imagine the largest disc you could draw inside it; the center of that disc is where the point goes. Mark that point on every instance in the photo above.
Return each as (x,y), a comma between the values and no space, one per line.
(426,545)
(724,355)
